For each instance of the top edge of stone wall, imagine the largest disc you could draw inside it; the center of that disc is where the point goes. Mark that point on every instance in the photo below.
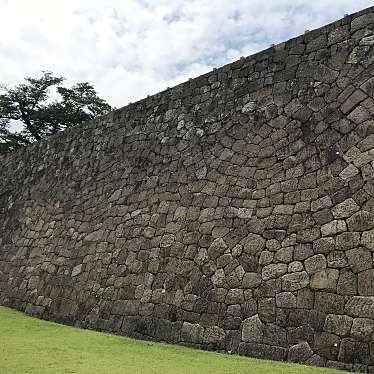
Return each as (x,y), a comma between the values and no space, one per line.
(164,96)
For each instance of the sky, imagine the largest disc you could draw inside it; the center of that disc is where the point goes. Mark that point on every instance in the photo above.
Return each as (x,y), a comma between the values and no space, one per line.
(129,49)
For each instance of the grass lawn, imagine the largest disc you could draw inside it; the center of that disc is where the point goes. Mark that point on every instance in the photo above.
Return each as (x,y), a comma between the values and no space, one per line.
(31,346)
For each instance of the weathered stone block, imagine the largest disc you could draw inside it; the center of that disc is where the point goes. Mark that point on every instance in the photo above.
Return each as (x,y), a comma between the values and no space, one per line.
(324,245)
(360,306)
(353,351)
(251,280)
(266,309)
(361,21)
(273,271)
(367,239)
(329,302)
(338,324)
(327,345)
(366,283)
(347,240)
(252,330)
(305,298)
(345,209)
(362,329)
(192,333)
(263,351)
(285,300)
(76,270)
(359,259)
(333,228)
(217,248)
(253,244)
(284,255)
(295,281)
(325,280)
(295,267)
(315,263)
(361,221)
(300,352)
(213,335)
(347,283)
(337,259)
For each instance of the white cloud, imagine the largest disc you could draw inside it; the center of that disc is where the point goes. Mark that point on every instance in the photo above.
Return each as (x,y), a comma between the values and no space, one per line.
(131,48)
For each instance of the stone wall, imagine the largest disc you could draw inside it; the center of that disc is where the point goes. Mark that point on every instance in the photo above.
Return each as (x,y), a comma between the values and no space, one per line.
(234,212)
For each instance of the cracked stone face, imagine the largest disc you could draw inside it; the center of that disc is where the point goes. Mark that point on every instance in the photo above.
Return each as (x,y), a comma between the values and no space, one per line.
(233,212)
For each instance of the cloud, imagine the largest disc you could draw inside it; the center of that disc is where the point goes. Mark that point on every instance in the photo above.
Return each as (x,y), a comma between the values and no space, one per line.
(132,48)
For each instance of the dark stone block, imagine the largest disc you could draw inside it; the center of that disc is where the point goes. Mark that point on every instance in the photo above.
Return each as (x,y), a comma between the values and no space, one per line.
(266,309)
(301,317)
(299,334)
(300,352)
(327,345)
(352,351)
(329,303)
(262,351)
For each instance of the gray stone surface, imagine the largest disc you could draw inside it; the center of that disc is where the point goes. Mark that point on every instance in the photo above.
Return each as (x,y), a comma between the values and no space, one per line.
(233,212)
(286,300)
(359,259)
(338,324)
(365,283)
(360,306)
(345,209)
(362,329)
(273,271)
(326,279)
(252,330)
(315,263)
(295,281)
(300,352)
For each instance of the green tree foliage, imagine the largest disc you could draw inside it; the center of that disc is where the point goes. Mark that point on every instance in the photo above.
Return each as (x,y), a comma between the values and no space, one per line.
(29,103)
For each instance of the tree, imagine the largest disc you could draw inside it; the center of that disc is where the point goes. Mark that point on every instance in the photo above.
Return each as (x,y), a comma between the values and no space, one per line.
(30,104)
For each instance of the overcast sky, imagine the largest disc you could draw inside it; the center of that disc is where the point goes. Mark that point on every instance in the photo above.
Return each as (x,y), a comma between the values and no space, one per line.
(129,49)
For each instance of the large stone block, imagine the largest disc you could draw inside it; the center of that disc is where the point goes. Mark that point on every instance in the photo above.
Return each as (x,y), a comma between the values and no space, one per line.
(347,283)
(315,263)
(329,302)
(286,300)
(345,209)
(300,352)
(367,239)
(324,280)
(362,329)
(252,330)
(327,345)
(295,281)
(213,335)
(253,244)
(192,333)
(359,259)
(360,306)
(366,283)
(263,351)
(361,221)
(352,351)
(333,228)
(273,271)
(251,280)
(338,324)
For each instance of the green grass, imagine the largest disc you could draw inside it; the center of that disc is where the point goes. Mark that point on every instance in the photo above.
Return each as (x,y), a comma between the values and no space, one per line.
(32,346)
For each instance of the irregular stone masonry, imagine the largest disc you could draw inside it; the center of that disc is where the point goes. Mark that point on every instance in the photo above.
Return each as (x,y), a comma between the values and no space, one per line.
(234,212)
